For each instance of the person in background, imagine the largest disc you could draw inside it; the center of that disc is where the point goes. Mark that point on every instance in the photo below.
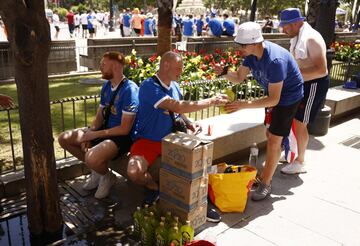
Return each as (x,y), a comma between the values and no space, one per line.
(228,25)
(121,23)
(127,23)
(84,24)
(268,26)
(309,50)
(199,25)
(70,21)
(136,22)
(56,22)
(109,135)
(214,26)
(276,71)
(91,26)
(148,25)
(188,30)
(77,21)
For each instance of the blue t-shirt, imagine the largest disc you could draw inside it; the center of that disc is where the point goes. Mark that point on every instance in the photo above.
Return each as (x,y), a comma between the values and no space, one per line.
(277,64)
(90,20)
(126,20)
(154,123)
(126,101)
(215,27)
(229,26)
(188,27)
(148,29)
(199,25)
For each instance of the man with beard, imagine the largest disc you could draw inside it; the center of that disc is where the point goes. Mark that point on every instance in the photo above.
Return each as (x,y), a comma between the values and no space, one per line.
(110,132)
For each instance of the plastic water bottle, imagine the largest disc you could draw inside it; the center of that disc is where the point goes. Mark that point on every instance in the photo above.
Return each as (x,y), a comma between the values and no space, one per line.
(253,157)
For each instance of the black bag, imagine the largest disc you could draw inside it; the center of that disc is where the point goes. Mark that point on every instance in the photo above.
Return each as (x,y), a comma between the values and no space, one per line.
(107,109)
(179,124)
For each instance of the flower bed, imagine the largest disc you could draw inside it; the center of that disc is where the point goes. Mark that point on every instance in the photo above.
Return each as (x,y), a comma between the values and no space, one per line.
(347,51)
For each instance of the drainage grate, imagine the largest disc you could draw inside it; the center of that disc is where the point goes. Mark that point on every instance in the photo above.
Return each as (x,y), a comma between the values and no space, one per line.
(353,142)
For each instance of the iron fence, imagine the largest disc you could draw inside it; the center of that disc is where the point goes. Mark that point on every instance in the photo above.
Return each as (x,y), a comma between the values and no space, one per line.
(75,112)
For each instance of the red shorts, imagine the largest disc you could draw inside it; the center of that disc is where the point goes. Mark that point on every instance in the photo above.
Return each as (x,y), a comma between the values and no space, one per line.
(150,150)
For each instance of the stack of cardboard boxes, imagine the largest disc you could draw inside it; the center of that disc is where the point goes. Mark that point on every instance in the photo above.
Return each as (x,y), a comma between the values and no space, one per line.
(184,177)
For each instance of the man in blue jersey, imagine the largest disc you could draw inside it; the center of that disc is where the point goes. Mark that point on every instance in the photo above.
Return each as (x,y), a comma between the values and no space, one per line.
(157,96)
(229,26)
(110,132)
(148,25)
(188,28)
(126,23)
(199,25)
(277,72)
(215,26)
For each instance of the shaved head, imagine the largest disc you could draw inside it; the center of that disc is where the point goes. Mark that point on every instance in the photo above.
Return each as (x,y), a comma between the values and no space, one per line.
(169,57)
(171,66)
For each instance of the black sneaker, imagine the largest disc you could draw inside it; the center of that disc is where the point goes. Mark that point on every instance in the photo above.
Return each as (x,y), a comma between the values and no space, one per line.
(212,215)
(151,196)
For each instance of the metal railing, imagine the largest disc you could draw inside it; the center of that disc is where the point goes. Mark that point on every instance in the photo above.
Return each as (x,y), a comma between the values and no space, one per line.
(75,112)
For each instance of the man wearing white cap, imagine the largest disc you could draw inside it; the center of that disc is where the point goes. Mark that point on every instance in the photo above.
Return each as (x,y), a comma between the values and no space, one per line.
(309,49)
(276,71)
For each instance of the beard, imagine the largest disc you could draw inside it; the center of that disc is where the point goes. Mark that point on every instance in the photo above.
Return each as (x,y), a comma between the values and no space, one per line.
(107,75)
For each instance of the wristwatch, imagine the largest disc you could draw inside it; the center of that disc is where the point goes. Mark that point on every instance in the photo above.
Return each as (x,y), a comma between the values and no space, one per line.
(224,71)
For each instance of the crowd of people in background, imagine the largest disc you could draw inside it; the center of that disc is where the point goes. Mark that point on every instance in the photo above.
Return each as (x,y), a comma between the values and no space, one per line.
(137,22)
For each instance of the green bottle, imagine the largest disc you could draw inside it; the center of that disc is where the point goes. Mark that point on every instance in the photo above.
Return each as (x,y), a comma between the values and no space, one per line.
(168,220)
(145,210)
(154,223)
(177,221)
(155,209)
(138,218)
(231,95)
(175,237)
(161,235)
(147,233)
(187,233)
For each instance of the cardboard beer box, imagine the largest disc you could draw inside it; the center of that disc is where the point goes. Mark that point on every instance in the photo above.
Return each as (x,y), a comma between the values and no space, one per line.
(185,193)
(186,155)
(196,216)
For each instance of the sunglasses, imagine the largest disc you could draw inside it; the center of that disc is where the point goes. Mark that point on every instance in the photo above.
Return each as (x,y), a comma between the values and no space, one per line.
(242,46)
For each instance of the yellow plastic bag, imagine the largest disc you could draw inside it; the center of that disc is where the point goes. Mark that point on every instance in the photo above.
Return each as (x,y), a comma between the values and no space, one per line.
(229,191)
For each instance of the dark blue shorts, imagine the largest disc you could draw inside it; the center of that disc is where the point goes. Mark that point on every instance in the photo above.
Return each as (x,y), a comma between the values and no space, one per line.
(314,97)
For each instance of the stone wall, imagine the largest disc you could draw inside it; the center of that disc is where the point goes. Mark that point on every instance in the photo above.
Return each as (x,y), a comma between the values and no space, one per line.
(62,59)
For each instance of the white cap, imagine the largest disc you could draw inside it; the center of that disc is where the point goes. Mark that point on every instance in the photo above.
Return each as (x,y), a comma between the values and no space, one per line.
(249,33)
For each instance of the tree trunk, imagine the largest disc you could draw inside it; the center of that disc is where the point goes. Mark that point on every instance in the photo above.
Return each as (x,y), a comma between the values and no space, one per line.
(325,23)
(164,26)
(313,11)
(253,10)
(29,37)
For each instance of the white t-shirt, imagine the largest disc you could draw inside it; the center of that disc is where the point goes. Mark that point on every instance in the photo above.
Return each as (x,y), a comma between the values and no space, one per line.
(56,20)
(76,19)
(84,20)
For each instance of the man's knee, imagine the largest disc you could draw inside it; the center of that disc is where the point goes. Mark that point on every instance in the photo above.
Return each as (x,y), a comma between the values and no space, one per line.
(137,167)
(62,139)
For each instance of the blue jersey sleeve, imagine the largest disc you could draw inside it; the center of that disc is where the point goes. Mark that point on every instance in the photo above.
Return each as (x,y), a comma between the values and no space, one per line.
(130,102)
(154,93)
(277,71)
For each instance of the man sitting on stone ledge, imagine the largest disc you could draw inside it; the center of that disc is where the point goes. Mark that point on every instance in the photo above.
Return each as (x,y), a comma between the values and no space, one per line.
(157,96)
(110,133)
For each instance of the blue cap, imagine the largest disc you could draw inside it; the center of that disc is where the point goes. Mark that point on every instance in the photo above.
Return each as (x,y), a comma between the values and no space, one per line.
(290,15)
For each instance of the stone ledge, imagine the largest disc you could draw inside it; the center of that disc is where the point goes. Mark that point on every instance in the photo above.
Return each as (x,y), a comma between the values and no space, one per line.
(342,101)
(234,133)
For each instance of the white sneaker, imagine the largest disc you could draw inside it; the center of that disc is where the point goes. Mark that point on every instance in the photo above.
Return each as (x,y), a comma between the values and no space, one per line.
(106,181)
(294,168)
(92,182)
